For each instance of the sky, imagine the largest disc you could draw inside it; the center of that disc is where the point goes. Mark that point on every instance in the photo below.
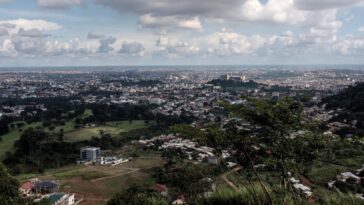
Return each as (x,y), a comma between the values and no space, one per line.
(180,32)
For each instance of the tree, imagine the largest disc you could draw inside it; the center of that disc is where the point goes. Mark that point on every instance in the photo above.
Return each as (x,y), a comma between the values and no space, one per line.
(9,191)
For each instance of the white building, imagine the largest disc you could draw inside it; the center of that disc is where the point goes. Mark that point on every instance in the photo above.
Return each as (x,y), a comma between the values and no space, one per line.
(90,154)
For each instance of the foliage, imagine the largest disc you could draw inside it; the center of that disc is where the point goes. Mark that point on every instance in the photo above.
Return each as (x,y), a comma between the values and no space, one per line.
(9,191)
(255,195)
(30,148)
(351,101)
(137,196)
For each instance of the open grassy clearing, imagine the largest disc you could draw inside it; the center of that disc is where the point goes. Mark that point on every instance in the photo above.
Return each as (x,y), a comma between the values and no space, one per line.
(114,128)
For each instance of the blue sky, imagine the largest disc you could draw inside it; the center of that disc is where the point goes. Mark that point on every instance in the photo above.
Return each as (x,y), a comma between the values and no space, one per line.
(175,32)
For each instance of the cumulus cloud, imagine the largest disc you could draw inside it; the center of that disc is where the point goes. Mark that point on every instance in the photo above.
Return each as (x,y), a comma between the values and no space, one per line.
(105,44)
(27,24)
(16,46)
(350,46)
(7,25)
(7,49)
(32,33)
(175,48)
(92,35)
(132,48)
(162,41)
(165,22)
(3,32)
(187,13)
(59,4)
(228,43)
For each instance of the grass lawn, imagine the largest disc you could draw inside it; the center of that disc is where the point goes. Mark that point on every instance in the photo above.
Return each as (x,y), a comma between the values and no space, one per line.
(114,128)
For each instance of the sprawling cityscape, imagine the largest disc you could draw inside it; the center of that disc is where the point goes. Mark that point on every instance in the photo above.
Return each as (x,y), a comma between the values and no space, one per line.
(192,102)
(79,137)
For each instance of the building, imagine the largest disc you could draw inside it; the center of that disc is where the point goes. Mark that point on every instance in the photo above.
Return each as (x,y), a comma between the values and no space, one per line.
(90,154)
(26,188)
(213,160)
(45,187)
(62,199)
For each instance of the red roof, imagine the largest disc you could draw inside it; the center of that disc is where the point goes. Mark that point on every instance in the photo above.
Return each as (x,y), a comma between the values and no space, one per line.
(27,185)
(160,187)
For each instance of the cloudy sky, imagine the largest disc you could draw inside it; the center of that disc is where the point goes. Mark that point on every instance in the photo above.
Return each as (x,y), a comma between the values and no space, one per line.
(178,32)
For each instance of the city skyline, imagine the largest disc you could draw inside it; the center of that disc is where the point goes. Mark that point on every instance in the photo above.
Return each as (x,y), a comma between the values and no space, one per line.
(139,32)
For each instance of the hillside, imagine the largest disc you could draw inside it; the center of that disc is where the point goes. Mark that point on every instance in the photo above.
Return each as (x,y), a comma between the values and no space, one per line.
(349,105)
(351,99)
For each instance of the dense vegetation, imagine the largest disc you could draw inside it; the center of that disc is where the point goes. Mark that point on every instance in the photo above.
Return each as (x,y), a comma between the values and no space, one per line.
(351,101)
(9,191)
(281,139)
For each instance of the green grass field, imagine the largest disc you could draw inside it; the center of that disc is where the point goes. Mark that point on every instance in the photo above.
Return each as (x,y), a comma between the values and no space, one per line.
(114,128)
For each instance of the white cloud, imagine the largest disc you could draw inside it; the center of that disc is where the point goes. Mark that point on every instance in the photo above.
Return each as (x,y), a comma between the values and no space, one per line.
(7,49)
(105,44)
(132,48)
(165,22)
(175,48)
(7,25)
(162,41)
(228,43)
(350,46)
(187,13)
(32,33)
(15,25)
(59,4)
(3,32)
(361,29)
(92,35)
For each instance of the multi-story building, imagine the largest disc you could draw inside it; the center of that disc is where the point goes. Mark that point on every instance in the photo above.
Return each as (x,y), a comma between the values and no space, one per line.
(90,153)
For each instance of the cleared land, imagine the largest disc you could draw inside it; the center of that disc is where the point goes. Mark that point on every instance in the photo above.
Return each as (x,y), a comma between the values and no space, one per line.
(114,128)
(96,184)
